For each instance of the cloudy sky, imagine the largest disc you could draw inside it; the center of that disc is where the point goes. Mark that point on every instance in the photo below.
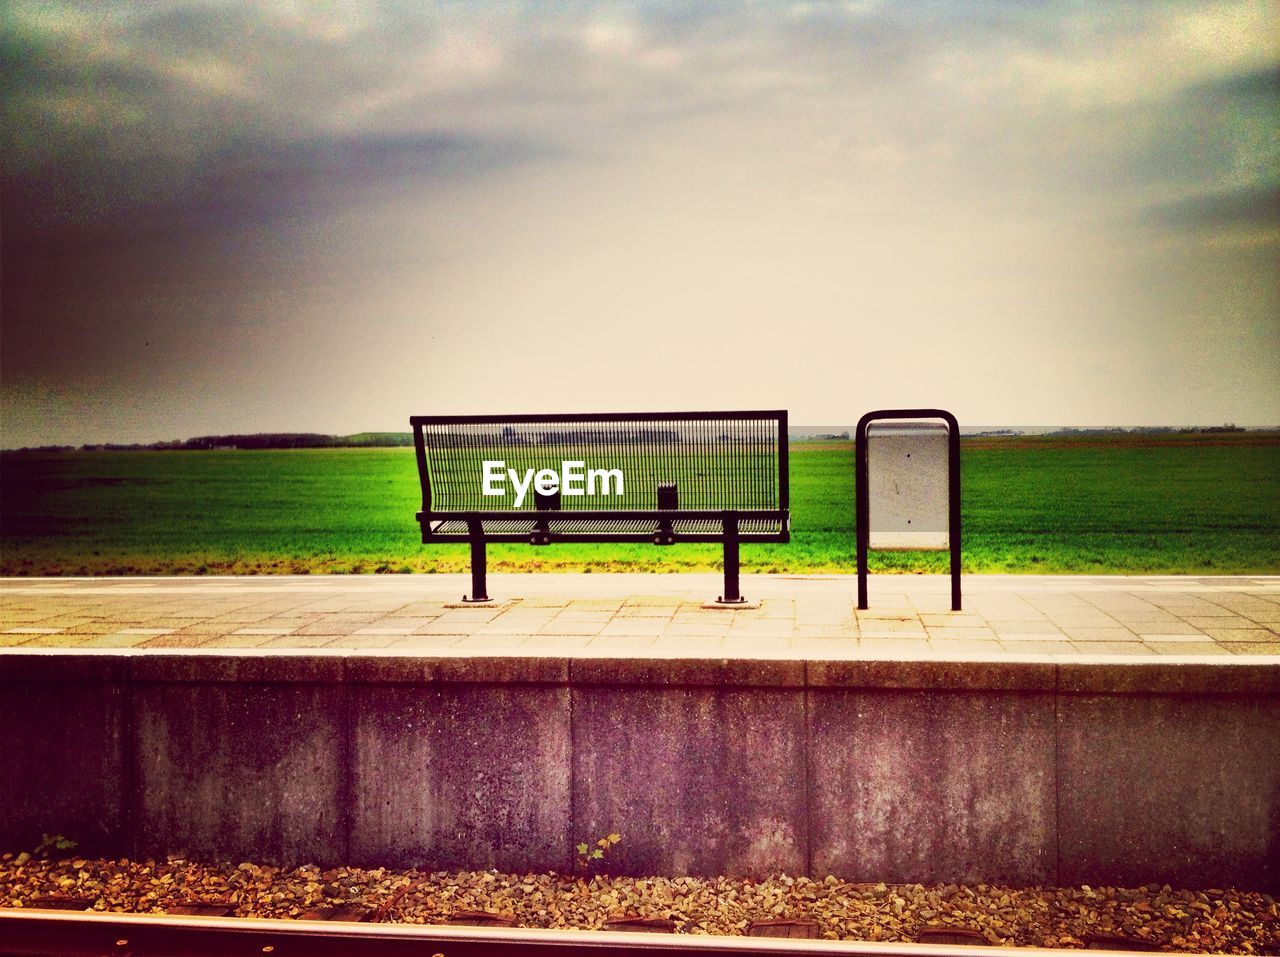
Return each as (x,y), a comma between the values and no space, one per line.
(232,217)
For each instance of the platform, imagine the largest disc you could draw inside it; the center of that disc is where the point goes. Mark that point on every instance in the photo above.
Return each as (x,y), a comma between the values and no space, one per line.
(629,615)
(1059,731)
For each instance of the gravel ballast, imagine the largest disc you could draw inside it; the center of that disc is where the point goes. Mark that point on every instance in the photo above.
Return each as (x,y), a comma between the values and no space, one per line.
(1214,920)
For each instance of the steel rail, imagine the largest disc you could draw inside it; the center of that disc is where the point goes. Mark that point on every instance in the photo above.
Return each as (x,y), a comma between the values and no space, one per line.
(28,932)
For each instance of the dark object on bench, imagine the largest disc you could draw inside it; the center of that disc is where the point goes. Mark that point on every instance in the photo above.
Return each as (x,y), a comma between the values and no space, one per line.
(684,477)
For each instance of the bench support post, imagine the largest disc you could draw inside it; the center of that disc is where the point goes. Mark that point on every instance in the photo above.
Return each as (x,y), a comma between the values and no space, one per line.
(732,589)
(479,587)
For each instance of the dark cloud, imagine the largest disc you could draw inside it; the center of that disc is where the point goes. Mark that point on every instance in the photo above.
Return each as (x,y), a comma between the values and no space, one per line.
(244,184)
(188,188)
(1247,208)
(1257,88)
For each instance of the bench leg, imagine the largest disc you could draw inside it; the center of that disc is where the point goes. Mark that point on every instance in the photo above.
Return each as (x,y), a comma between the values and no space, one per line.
(479,587)
(732,589)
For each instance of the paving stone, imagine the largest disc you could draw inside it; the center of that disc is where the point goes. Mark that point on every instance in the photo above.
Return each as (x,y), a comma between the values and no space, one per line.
(1043,647)
(1188,648)
(966,647)
(818,649)
(716,628)
(572,628)
(1241,634)
(362,641)
(644,613)
(1114,647)
(961,634)
(1252,647)
(827,632)
(689,646)
(296,641)
(208,627)
(1098,634)
(767,628)
(570,614)
(122,640)
(555,644)
(620,643)
(1024,626)
(871,646)
(955,619)
(237,641)
(1175,627)
(61,640)
(426,641)
(65,622)
(636,627)
(99,628)
(419,609)
(442,627)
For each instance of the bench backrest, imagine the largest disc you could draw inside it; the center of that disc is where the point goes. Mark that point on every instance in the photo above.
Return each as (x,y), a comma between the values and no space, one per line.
(716,460)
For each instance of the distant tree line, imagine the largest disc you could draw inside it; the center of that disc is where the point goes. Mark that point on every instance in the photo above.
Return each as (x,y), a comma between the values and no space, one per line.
(1154,430)
(367,440)
(259,440)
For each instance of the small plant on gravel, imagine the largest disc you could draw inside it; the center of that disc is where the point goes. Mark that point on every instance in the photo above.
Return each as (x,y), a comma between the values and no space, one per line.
(588,852)
(49,843)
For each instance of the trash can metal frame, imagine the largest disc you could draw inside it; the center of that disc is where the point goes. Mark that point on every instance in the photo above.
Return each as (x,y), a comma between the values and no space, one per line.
(863,497)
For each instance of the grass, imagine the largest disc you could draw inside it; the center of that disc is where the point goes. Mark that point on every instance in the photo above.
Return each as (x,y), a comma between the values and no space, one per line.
(1124,504)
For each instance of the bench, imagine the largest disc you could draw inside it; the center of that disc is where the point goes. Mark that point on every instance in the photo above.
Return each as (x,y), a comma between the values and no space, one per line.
(661,478)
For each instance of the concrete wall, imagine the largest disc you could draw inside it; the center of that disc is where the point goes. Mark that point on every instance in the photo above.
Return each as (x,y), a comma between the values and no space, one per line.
(1030,773)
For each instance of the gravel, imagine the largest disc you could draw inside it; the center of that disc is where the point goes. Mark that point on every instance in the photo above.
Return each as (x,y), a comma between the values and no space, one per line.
(1215,920)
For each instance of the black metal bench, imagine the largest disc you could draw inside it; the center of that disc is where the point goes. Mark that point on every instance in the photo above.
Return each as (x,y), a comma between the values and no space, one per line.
(660,477)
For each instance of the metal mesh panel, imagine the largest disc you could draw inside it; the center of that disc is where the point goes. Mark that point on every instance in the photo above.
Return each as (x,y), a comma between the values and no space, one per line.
(715,463)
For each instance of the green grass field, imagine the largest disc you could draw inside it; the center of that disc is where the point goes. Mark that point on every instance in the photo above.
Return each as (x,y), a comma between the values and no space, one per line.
(1130,504)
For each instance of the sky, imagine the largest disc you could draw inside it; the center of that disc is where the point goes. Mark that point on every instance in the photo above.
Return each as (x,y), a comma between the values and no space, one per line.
(231,217)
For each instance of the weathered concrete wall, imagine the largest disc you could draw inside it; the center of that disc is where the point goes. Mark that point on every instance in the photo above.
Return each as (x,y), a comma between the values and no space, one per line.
(460,764)
(63,768)
(900,771)
(700,765)
(231,754)
(904,790)
(1177,776)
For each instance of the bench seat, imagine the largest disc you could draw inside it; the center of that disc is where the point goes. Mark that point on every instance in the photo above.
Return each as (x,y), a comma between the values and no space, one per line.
(686,529)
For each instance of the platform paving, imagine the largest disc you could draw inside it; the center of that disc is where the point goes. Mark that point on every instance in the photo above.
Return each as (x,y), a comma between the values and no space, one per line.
(639,615)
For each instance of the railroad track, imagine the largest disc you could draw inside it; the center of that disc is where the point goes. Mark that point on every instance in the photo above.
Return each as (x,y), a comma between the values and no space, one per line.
(27,932)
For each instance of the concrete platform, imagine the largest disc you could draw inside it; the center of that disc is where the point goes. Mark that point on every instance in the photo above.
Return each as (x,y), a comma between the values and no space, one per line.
(1059,731)
(572,615)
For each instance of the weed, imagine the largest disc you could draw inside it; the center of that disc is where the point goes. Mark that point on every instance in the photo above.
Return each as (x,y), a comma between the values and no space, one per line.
(588,853)
(53,842)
